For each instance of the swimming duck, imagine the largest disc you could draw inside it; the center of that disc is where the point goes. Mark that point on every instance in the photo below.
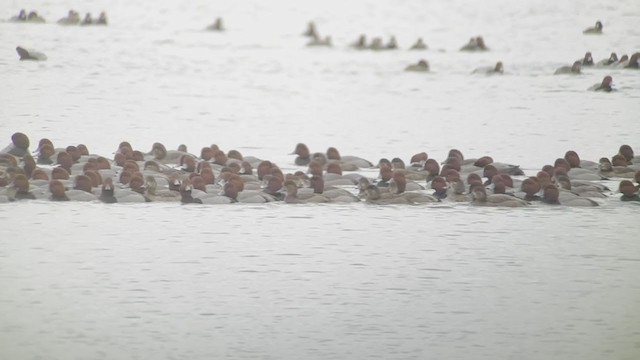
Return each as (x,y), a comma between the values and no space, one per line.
(361,43)
(629,191)
(480,197)
(605,85)
(597,29)
(35,18)
(72,18)
(102,19)
(311,30)
(56,188)
(573,69)
(375,196)
(419,45)
(107,192)
(421,66)
(88,20)
(21,17)
(30,54)
(216,26)
(475,44)
(587,60)
(611,60)
(633,62)
(497,69)
(317,41)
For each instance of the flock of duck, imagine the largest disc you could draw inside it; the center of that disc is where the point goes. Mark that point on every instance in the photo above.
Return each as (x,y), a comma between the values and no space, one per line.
(376,44)
(218,177)
(72,18)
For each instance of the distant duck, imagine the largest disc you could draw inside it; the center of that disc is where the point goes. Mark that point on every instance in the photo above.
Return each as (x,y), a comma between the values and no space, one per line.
(587,60)
(311,30)
(216,26)
(376,44)
(392,44)
(633,62)
(612,59)
(88,20)
(597,29)
(30,54)
(475,44)
(361,43)
(21,17)
(33,17)
(490,70)
(102,19)
(629,191)
(573,69)
(72,18)
(316,41)
(419,45)
(421,66)
(605,85)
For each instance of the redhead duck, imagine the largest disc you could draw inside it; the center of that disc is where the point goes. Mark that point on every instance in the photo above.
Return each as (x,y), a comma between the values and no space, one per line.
(30,54)
(304,156)
(605,85)
(480,197)
(572,70)
(21,184)
(398,186)
(56,188)
(419,45)
(348,162)
(216,26)
(530,187)
(551,195)
(421,66)
(624,60)
(627,152)
(596,30)
(72,18)
(491,70)
(376,44)
(607,169)
(19,146)
(153,194)
(334,194)
(82,189)
(439,185)
(629,191)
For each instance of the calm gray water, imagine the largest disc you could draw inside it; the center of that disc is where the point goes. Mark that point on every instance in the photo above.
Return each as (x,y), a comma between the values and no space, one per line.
(156,281)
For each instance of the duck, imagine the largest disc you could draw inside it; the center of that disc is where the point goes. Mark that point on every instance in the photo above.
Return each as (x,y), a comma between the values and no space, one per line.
(72,18)
(19,146)
(216,26)
(21,184)
(490,70)
(629,191)
(361,43)
(154,194)
(398,186)
(480,197)
(607,170)
(595,30)
(475,44)
(605,85)
(311,30)
(392,44)
(375,196)
(88,20)
(304,156)
(419,45)
(185,193)
(611,60)
(293,198)
(102,19)
(30,54)
(21,17)
(317,42)
(587,60)
(107,192)
(572,70)
(633,61)
(421,66)
(56,188)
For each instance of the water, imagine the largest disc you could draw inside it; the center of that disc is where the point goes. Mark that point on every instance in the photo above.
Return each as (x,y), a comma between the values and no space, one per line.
(329,281)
